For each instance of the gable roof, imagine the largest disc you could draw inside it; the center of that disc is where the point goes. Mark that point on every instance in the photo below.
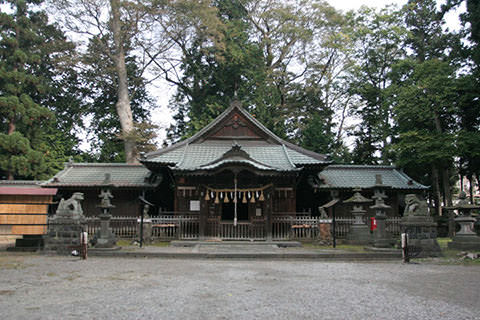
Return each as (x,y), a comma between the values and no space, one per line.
(262,149)
(363,176)
(94,175)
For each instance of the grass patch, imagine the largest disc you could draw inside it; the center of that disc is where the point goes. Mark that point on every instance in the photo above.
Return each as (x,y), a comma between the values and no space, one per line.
(128,243)
(344,247)
(443,243)
(51,274)
(124,242)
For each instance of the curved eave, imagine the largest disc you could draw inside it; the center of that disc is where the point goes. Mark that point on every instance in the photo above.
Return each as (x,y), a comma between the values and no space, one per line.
(94,186)
(326,187)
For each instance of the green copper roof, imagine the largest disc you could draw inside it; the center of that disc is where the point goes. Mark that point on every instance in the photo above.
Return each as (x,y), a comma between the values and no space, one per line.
(264,152)
(93,175)
(352,176)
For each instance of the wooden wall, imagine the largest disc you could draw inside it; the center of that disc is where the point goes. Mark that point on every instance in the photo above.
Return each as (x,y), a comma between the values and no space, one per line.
(24,214)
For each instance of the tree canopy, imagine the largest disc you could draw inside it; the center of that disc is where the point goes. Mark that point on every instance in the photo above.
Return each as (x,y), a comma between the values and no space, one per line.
(373,86)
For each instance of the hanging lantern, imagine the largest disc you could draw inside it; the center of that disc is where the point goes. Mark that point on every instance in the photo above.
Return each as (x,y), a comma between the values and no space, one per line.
(217,200)
(207,195)
(261,198)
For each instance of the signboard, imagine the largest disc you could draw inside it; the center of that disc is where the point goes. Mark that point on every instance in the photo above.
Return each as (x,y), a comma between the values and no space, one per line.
(194,205)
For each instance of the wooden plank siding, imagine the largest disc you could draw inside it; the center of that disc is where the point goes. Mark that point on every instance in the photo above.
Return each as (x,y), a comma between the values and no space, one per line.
(24,214)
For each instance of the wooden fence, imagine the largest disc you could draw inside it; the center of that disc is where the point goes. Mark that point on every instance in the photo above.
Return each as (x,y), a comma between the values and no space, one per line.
(284,227)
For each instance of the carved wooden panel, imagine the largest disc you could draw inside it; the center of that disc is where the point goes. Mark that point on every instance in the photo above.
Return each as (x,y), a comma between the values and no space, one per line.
(235,126)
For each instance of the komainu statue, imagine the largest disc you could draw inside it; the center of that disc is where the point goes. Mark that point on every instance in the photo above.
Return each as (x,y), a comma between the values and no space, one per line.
(414,206)
(71,207)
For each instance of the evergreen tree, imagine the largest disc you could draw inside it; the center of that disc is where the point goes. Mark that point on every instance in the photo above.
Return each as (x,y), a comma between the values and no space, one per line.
(22,116)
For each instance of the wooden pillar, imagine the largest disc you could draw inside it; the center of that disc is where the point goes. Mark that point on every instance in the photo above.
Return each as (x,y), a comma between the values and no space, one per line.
(202,219)
(268,214)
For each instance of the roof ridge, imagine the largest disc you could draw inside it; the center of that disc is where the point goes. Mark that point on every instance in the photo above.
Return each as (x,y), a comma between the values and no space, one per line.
(288,157)
(361,166)
(104,164)
(406,178)
(183,155)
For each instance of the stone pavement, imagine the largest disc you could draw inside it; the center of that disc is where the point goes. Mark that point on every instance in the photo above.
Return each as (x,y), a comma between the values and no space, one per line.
(34,286)
(244,250)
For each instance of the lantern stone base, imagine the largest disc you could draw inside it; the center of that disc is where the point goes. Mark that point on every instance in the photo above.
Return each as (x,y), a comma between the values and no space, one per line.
(422,236)
(465,242)
(104,238)
(466,238)
(359,234)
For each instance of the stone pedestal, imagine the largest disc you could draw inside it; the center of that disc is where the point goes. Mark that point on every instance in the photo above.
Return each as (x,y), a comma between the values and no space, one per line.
(466,238)
(359,231)
(381,238)
(147,230)
(359,234)
(105,238)
(64,228)
(422,235)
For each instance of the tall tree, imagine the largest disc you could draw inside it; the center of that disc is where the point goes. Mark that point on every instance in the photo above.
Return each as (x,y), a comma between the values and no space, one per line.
(28,47)
(104,129)
(112,24)
(380,43)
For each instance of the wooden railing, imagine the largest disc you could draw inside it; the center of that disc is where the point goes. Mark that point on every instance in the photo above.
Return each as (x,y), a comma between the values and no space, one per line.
(242,231)
(122,227)
(175,227)
(284,227)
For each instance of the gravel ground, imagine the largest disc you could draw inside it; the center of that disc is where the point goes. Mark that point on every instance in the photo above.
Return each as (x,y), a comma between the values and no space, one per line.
(52,287)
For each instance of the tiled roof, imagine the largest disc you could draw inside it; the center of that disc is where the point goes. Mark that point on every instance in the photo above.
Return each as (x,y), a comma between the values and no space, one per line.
(199,151)
(197,156)
(21,183)
(24,187)
(93,174)
(352,176)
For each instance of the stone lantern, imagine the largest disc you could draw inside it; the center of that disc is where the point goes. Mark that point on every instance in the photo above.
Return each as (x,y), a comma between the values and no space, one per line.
(466,238)
(381,239)
(359,232)
(105,238)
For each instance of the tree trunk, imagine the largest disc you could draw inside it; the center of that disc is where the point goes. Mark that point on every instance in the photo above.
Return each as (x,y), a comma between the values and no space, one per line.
(470,180)
(436,191)
(446,187)
(10,130)
(124,110)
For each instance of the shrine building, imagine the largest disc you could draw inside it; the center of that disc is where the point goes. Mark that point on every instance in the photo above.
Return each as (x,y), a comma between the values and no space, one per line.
(234,174)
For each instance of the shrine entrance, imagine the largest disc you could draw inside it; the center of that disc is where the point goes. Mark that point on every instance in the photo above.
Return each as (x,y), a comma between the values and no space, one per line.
(228,212)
